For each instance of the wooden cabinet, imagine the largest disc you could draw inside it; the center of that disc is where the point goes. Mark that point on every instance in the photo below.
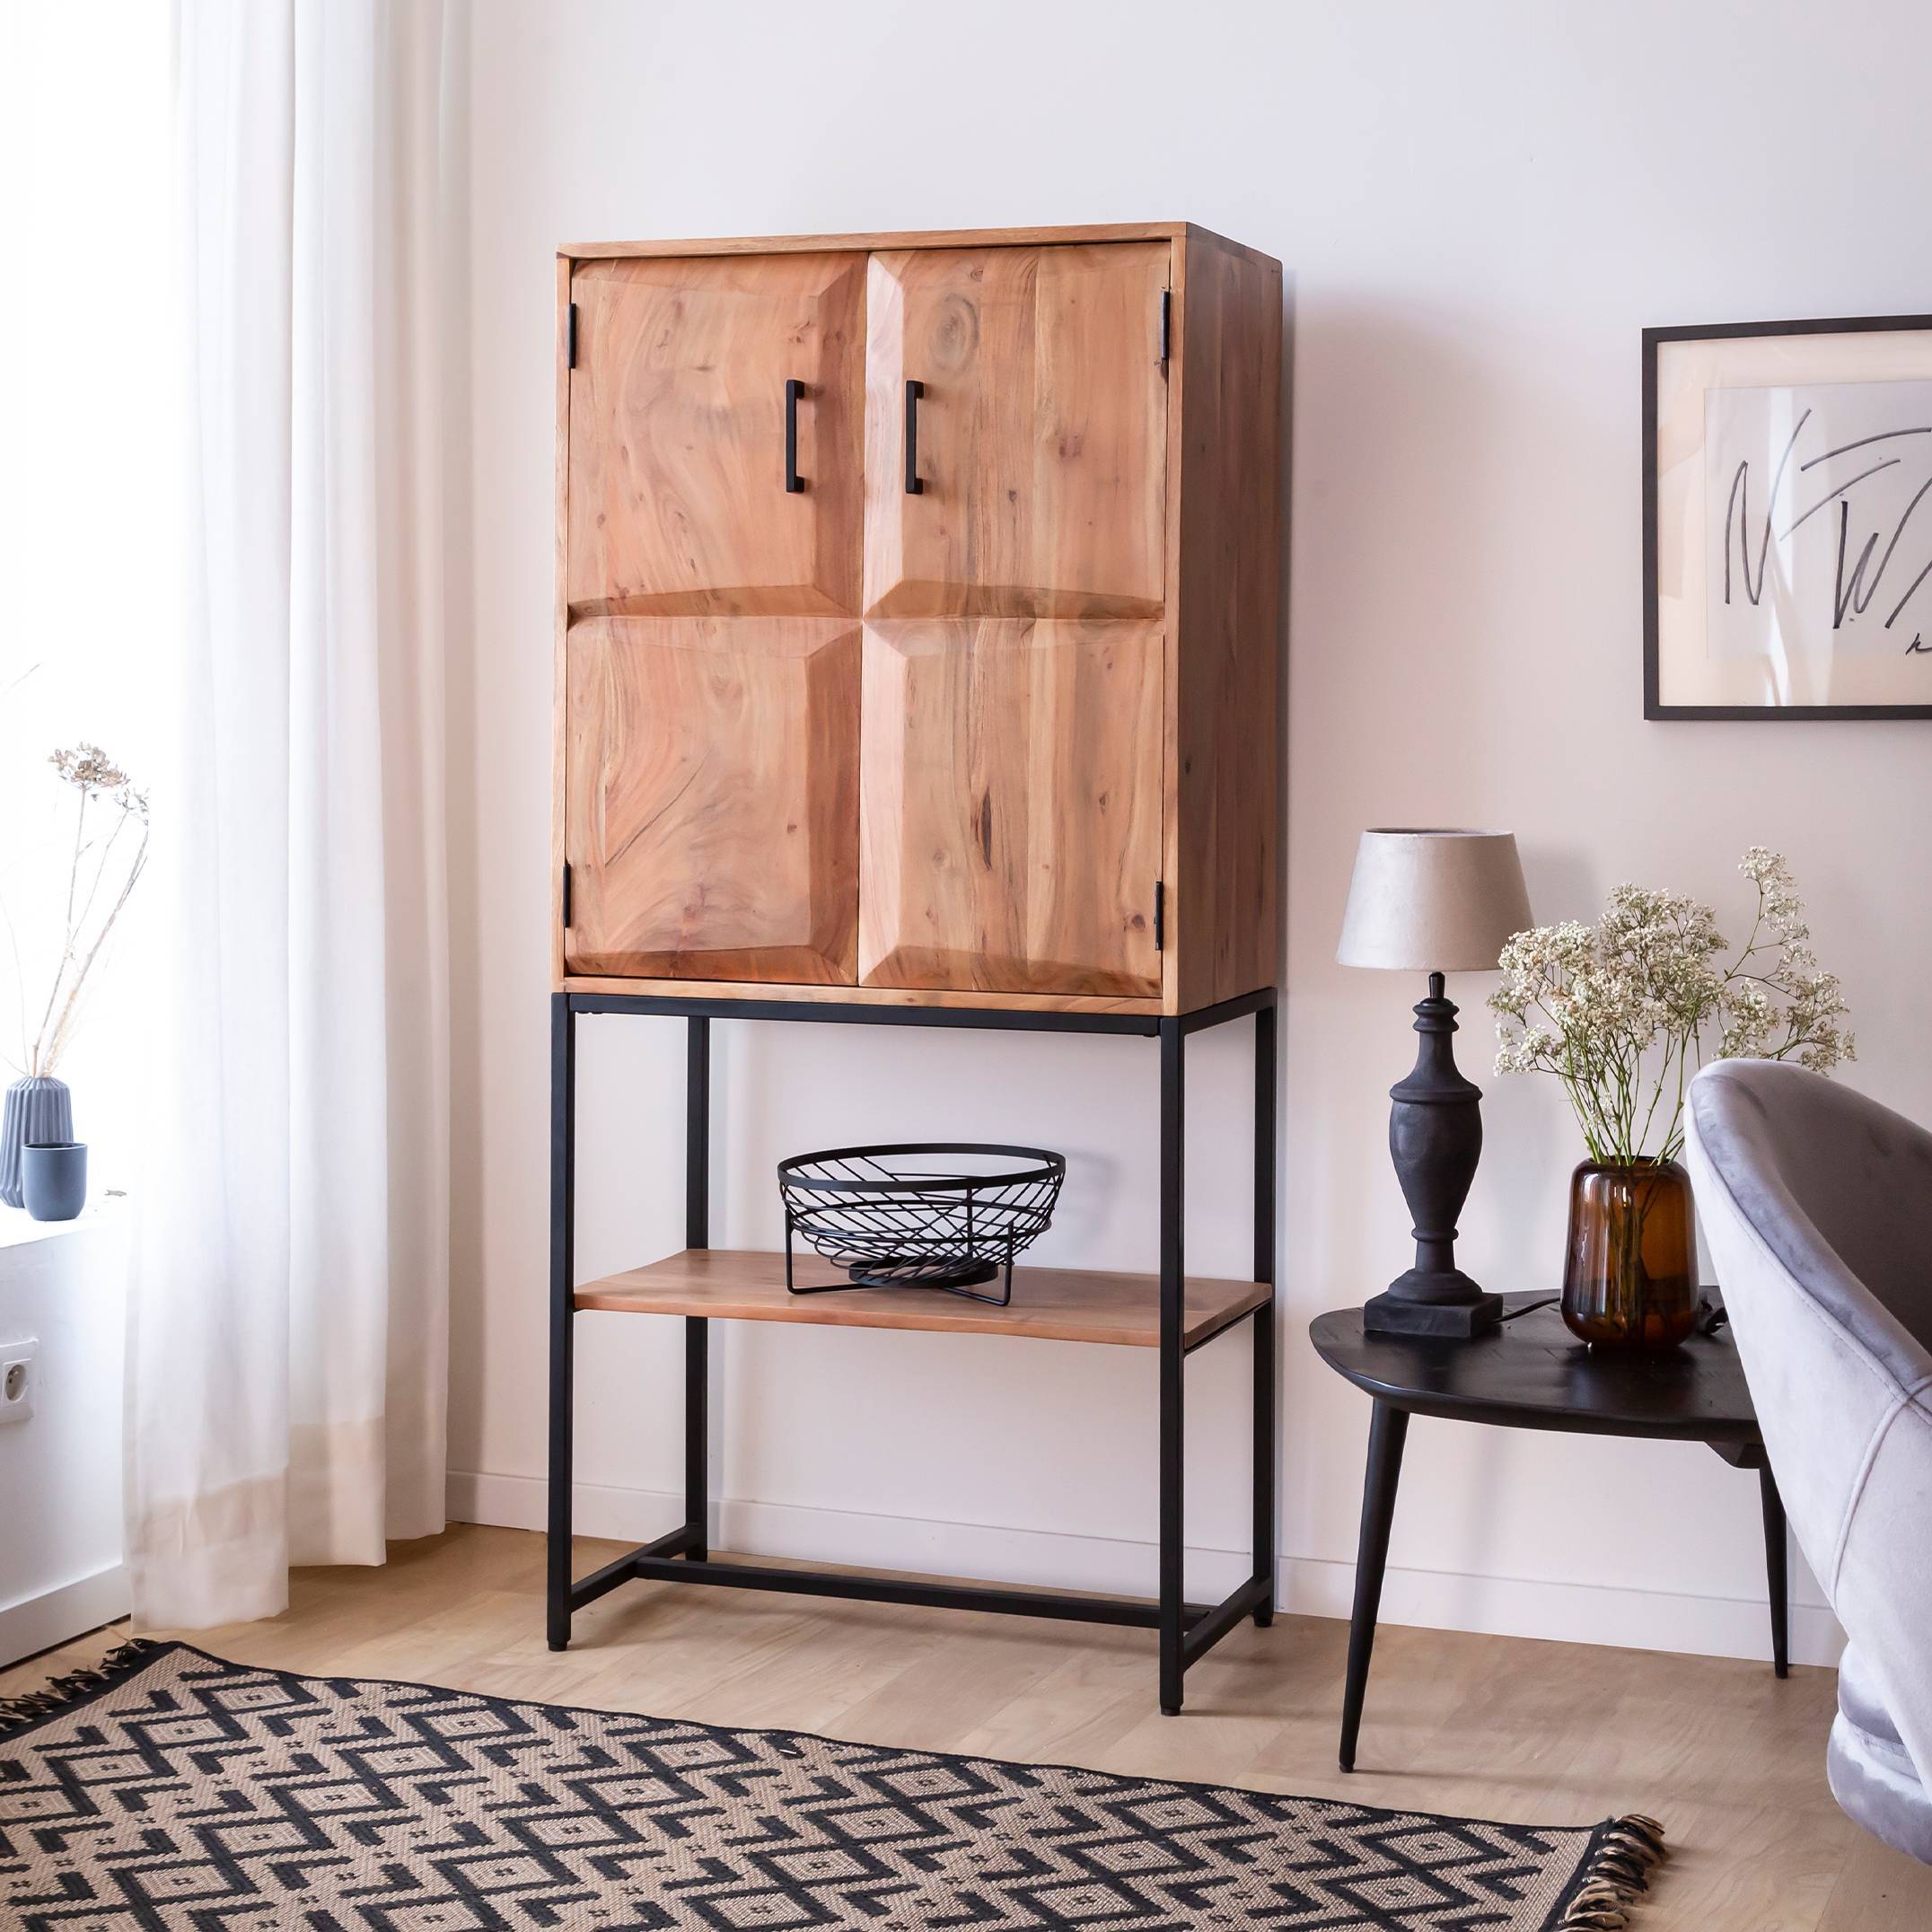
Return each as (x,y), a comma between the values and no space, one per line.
(917,617)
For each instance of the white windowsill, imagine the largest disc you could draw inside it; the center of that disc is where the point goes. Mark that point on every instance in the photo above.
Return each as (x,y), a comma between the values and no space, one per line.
(18,1227)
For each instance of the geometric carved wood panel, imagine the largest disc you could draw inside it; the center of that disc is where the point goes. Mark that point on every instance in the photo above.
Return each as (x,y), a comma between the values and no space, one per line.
(678,503)
(712,778)
(1042,438)
(1011,806)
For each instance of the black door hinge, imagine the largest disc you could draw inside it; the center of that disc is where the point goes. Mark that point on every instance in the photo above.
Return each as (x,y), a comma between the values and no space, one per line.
(570,341)
(567,898)
(1167,320)
(1160,915)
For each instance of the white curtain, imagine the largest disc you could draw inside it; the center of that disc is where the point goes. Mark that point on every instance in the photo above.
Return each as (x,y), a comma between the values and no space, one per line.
(288,1362)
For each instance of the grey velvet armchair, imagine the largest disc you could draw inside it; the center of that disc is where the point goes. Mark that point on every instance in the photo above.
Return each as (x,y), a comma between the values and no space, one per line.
(1817,1204)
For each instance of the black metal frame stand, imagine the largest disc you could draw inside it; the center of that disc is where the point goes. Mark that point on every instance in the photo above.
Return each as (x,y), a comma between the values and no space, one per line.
(1186,1631)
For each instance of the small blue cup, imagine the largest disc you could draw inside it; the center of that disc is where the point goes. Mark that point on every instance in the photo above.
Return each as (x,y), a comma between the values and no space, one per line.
(55,1177)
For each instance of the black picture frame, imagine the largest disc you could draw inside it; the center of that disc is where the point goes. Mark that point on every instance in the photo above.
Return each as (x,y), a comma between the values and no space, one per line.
(1653,708)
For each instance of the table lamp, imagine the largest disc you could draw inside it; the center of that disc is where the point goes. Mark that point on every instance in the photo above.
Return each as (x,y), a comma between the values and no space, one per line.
(1435,902)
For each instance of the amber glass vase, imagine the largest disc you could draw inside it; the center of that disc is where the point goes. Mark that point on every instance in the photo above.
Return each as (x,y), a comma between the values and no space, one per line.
(1630,1272)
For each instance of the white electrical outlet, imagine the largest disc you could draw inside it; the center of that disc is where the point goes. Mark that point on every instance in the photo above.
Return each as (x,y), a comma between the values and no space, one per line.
(19,1375)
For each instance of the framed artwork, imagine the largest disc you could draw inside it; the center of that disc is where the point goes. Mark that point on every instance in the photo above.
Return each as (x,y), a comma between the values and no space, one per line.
(1788,520)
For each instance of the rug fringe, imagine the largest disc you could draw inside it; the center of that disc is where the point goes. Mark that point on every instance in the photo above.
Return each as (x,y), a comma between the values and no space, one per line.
(1616,1873)
(17,1713)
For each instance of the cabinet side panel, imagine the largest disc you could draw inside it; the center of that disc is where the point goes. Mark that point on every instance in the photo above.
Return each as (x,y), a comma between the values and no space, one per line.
(1224,898)
(558,729)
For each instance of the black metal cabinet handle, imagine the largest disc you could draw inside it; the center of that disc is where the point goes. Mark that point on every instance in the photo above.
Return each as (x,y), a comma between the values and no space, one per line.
(794,482)
(914,487)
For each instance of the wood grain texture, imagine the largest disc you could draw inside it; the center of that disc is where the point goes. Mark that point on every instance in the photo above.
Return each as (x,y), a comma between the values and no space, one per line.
(1224,875)
(1010,806)
(889,239)
(862,996)
(1049,1304)
(1466,1725)
(1042,436)
(910,238)
(560,622)
(678,503)
(713,785)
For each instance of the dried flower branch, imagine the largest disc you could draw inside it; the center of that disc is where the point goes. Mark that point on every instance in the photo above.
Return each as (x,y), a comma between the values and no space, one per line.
(1619,1011)
(109,805)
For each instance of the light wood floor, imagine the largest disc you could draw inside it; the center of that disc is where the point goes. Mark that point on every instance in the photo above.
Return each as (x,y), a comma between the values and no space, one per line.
(1731,1759)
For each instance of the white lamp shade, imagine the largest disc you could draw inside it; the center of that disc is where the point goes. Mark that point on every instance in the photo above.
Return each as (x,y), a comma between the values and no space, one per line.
(1426,900)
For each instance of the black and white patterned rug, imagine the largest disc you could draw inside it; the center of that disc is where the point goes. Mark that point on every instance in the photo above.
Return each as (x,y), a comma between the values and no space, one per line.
(171,1789)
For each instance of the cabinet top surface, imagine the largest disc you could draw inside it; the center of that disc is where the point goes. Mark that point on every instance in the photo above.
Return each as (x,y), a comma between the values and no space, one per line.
(915,239)
(1049,1304)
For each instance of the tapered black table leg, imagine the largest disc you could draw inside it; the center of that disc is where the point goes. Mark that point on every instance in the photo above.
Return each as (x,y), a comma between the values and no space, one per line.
(1387,1430)
(1775,1572)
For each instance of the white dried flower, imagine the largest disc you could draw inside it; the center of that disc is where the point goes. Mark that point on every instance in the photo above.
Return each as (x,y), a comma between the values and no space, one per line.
(1619,1011)
(102,872)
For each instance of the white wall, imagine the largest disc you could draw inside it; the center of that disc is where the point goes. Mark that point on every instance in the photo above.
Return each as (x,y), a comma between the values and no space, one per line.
(82,627)
(64,1287)
(74,668)
(1479,209)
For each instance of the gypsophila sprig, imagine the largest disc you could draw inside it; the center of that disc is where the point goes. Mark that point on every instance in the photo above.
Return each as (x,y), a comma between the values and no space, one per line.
(1621,1012)
(110,832)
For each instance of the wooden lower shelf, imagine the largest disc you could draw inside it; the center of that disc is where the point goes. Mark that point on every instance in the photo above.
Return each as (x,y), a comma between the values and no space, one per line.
(1049,1304)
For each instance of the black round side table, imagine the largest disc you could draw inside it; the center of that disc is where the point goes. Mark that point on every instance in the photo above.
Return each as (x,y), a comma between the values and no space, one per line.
(1532,1374)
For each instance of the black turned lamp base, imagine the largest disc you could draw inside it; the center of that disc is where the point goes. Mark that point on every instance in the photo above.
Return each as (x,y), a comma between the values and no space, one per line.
(1434,1138)
(1390,1314)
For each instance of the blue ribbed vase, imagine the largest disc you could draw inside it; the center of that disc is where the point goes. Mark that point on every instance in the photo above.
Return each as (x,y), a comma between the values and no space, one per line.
(38,1109)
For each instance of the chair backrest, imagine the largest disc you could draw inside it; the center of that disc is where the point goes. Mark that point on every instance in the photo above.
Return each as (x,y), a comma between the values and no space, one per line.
(1817,1204)
(1839,1187)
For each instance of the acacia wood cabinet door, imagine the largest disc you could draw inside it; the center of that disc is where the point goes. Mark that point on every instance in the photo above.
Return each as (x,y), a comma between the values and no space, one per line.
(712,788)
(1037,434)
(679,414)
(1010,806)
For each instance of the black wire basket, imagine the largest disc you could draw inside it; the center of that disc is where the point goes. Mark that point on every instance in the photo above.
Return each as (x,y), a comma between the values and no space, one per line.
(928,1213)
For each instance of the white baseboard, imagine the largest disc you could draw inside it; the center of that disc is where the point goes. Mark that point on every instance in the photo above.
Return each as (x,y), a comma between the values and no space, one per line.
(1569,1612)
(981,1550)
(39,1622)
(1504,1606)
